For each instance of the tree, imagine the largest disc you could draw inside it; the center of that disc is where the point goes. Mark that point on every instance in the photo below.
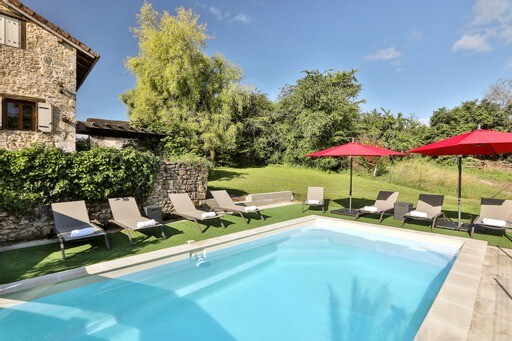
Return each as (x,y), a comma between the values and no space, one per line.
(466,117)
(178,87)
(500,92)
(383,129)
(317,112)
(390,131)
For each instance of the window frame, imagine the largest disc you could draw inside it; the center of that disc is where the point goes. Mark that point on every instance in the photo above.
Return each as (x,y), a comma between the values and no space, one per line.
(20,104)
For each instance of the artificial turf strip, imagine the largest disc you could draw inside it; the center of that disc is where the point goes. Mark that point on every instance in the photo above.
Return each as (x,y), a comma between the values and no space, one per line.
(45,259)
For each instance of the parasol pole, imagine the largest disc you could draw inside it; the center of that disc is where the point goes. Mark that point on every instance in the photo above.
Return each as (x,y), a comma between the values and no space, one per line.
(350,188)
(459,190)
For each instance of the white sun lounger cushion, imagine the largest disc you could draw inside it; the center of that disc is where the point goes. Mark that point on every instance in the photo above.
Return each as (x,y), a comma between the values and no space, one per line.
(370,209)
(250,209)
(494,222)
(208,215)
(418,214)
(146,223)
(82,232)
(313,202)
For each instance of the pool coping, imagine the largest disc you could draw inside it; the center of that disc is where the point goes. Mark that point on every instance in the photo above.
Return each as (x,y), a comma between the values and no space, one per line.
(449,317)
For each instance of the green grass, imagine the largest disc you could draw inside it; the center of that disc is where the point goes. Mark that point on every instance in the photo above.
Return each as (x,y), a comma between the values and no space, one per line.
(45,259)
(297,179)
(40,260)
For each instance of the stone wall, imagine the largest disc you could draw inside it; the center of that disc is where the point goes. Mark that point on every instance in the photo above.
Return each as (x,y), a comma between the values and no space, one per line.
(172,178)
(178,178)
(112,142)
(46,70)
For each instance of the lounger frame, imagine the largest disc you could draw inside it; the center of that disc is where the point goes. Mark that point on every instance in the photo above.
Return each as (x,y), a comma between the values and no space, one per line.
(225,203)
(126,209)
(431,204)
(72,215)
(184,207)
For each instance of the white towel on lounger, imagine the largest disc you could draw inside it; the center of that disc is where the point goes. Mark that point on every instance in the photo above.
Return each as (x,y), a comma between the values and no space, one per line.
(313,202)
(370,209)
(494,222)
(250,209)
(418,214)
(208,215)
(82,232)
(147,223)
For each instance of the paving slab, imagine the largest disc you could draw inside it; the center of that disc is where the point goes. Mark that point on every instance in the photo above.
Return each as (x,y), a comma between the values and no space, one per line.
(492,316)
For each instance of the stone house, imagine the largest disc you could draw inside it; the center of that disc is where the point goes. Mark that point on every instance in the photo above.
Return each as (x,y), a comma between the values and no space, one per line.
(41,69)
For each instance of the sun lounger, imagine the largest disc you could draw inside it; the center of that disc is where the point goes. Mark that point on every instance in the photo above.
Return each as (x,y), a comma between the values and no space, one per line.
(126,214)
(384,203)
(71,223)
(429,208)
(184,207)
(315,197)
(225,203)
(494,214)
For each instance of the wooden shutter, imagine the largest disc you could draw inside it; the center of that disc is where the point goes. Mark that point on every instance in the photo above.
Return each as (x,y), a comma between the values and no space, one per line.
(2,29)
(12,32)
(44,117)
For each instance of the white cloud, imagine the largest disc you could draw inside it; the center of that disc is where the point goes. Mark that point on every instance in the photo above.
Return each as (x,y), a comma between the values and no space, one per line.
(384,54)
(472,43)
(415,35)
(243,18)
(490,24)
(487,12)
(221,15)
(216,12)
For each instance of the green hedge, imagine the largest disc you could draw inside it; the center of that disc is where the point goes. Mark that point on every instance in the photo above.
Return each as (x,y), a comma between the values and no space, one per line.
(39,175)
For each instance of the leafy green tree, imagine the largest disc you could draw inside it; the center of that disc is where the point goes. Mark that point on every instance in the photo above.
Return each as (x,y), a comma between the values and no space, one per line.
(178,87)
(250,110)
(317,112)
(389,131)
(466,117)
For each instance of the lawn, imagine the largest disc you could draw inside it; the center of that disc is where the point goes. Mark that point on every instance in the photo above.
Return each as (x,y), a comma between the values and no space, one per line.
(40,260)
(36,261)
(409,178)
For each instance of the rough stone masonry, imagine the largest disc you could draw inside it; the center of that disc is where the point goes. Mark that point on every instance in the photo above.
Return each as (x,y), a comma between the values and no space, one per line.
(173,177)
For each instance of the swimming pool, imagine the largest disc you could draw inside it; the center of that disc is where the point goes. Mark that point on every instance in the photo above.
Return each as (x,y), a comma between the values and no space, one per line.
(311,283)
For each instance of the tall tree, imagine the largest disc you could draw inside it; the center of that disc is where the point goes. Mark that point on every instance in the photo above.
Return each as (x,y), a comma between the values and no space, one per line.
(317,112)
(468,116)
(178,87)
(500,92)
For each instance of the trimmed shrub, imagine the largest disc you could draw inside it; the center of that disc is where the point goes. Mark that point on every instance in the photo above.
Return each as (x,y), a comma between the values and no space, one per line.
(39,175)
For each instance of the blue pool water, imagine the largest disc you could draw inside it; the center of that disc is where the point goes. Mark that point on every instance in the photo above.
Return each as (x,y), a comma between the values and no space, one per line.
(310,284)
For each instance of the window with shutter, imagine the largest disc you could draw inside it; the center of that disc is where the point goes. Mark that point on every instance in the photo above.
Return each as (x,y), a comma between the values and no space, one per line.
(12,32)
(18,115)
(44,117)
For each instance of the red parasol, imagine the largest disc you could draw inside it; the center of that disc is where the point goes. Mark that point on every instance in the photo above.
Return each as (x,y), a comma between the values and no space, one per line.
(477,142)
(354,149)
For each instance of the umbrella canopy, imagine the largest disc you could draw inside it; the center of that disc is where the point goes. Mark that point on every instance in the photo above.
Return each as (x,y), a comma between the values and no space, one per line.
(477,142)
(354,149)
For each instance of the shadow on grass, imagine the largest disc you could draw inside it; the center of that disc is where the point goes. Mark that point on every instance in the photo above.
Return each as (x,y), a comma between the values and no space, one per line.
(356,202)
(223,175)
(23,263)
(154,232)
(455,214)
(232,192)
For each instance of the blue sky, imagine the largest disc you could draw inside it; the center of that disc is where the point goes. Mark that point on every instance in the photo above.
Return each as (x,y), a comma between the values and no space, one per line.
(413,56)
